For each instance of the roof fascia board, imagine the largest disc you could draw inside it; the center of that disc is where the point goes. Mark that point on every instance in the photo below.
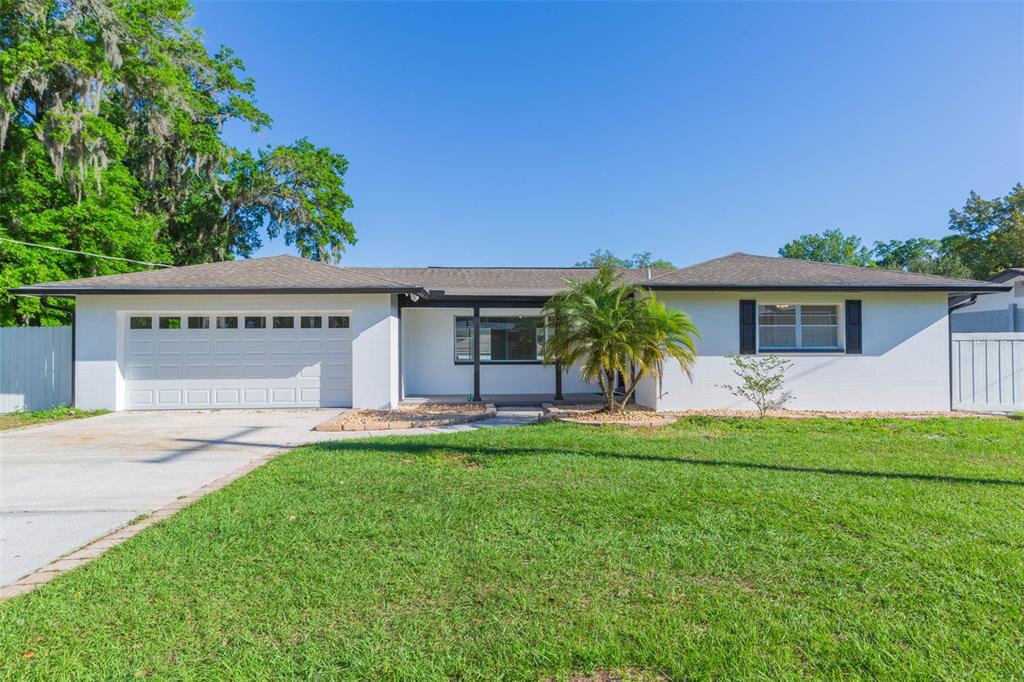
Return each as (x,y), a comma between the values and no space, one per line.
(79,291)
(812,287)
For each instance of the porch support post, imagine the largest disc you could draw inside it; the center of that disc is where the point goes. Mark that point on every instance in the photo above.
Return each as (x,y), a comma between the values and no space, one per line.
(558,381)
(476,353)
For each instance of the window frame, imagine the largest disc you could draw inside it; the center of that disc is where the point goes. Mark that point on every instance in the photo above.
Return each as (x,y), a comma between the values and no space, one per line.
(546,327)
(798,349)
(162,319)
(210,319)
(330,321)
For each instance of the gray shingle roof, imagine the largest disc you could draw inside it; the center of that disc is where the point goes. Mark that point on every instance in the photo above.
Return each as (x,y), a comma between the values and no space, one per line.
(294,274)
(275,273)
(745,271)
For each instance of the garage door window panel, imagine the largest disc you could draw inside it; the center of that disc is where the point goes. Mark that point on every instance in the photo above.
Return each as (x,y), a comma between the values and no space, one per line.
(338,322)
(170,323)
(227,322)
(255,322)
(283,322)
(140,322)
(312,322)
(198,322)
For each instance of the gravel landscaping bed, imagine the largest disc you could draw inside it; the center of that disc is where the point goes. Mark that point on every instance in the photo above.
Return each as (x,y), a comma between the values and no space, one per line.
(844,414)
(593,413)
(410,417)
(637,415)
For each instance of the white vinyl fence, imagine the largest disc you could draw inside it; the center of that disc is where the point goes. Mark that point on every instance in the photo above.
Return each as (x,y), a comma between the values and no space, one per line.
(35,368)
(988,372)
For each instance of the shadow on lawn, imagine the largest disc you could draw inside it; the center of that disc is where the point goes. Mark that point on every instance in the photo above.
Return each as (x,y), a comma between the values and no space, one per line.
(426,449)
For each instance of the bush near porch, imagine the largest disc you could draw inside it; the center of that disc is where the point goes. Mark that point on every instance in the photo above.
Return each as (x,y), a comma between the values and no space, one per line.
(715,548)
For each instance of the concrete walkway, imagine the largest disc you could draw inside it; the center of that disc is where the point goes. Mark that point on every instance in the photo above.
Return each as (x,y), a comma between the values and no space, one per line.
(64,485)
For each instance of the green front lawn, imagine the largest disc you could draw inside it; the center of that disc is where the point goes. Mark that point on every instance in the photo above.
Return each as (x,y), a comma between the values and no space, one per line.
(711,549)
(13,420)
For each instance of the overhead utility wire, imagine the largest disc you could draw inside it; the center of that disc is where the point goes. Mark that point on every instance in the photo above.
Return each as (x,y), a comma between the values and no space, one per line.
(86,253)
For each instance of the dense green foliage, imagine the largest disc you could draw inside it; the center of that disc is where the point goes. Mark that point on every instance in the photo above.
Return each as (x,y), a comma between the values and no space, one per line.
(989,234)
(988,237)
(830,246)
(715,549)
(111,120)
(615,330)
(638,260)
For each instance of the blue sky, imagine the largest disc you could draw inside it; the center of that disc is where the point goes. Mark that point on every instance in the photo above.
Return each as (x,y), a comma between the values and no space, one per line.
(531,134)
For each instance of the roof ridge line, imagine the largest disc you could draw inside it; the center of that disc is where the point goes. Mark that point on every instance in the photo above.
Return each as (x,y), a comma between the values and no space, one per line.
(865,267)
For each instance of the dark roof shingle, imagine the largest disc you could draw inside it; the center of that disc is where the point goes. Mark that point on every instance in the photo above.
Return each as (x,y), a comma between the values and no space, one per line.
(274,273)
(298,275)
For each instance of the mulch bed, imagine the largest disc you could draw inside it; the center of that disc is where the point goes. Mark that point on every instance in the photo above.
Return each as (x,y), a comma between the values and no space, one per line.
(409,417)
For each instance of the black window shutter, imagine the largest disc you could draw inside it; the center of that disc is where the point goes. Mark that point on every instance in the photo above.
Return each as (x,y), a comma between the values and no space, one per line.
(748,327)
(854,328)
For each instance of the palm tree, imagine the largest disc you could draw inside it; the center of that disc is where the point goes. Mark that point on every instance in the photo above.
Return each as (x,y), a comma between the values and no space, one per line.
(615,329)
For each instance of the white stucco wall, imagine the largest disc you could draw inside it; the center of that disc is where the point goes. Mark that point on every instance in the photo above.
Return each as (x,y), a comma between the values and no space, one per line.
(101,320)
(904,366)
(428,359)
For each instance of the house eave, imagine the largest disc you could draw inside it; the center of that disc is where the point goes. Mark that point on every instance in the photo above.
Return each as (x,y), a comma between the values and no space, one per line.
(814,287)
(72,292)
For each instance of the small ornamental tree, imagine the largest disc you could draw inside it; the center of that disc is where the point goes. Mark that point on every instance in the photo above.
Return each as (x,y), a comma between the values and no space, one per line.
(762,380)
(614,329)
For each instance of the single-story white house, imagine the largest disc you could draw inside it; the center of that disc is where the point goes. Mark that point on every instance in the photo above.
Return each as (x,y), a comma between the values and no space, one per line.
(998,312)
(289,332)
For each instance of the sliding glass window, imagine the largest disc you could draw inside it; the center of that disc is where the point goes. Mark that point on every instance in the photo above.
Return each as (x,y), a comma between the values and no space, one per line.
(502,339)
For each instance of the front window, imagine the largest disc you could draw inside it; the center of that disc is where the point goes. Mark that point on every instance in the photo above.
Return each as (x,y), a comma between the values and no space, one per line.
(502,339)
(791,327)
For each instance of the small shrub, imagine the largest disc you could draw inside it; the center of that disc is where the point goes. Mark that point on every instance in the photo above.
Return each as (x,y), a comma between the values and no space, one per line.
(762,380)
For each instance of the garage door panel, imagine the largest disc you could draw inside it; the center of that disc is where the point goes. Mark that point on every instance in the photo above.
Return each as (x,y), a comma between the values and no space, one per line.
(198,372)
(168,347)
(226,347)
(169,397)
(283,395)
(227,372)
(199,368)
(140,347)
(254,347)
(140,397)
(227,396)
(141,372)
(338,370)
(252,396)
(198,397)
(170,371)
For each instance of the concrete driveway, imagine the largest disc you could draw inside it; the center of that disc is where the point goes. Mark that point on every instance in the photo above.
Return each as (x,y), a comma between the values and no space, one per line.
(63,485)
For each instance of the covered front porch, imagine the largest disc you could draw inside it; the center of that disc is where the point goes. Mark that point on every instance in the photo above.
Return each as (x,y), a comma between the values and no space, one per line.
(459,350)
(507,399)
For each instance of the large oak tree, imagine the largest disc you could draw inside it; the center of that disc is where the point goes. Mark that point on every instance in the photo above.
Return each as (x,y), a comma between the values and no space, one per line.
(111,121)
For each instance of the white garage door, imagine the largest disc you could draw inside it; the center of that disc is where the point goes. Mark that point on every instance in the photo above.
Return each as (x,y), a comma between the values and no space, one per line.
(222,360)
